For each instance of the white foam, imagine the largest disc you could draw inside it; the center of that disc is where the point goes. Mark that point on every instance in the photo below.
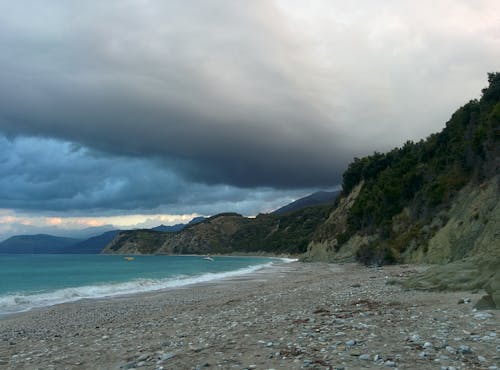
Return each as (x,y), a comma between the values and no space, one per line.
(15,303)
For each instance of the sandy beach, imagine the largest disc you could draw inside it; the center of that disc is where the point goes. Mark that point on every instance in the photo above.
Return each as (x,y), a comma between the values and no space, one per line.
(293,316)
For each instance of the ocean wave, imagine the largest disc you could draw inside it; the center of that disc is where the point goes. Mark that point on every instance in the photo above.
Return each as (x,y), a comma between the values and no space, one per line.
(15,303)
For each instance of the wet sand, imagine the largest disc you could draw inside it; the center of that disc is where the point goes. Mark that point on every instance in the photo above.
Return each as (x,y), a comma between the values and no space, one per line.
(293,316)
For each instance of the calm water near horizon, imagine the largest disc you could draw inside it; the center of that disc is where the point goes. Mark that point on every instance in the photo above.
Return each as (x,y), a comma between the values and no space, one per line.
(28,281)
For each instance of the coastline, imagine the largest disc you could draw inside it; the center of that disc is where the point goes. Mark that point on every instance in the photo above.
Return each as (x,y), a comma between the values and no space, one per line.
(291,316)
(18,302)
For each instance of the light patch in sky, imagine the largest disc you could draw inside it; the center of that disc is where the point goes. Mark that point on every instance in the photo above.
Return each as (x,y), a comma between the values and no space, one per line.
(12,223)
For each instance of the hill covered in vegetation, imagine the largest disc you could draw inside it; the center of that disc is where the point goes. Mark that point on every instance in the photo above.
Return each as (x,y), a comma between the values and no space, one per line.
(403,198)
(229,233)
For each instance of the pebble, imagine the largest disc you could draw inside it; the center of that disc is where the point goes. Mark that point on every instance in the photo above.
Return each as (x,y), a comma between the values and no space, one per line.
(415,338)
(483,316)
(451,350)
(167,356)
(464,349)
(350,343)
(375,322)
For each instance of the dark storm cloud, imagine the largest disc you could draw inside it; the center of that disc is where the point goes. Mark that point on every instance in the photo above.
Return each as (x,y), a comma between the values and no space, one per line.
(245,93)
(46,175)
(206,87)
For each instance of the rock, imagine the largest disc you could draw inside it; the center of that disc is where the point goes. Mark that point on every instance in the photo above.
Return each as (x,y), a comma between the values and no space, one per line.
(486,302)
(483,316)
(481,359)
(167,356)
(415,338)
(129,365)
(451,350)
(390,363)
(427,345)
(365,357)
(350,343)
(464,349)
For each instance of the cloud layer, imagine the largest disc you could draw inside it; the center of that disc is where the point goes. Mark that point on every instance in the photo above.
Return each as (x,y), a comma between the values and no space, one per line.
(190,107)
(51,175)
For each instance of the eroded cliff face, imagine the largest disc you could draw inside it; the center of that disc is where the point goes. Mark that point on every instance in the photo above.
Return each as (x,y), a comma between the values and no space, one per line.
(469,227)
(472,228)
(467,247)
(326,245)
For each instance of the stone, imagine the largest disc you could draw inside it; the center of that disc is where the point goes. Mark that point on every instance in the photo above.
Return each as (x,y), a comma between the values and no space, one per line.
(390,363)
(464,349)
(486,302)
(427,345)
(350,343)
(365,357)
(129,365)
(483,316)
(167,356)
(415,338)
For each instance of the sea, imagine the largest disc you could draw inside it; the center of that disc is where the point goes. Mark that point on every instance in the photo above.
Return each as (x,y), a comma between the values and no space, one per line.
(40,280)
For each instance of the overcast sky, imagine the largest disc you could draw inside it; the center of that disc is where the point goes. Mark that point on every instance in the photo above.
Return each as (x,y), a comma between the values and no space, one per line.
(135,113)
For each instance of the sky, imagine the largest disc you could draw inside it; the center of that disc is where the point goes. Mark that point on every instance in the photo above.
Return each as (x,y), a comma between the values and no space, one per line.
(135,113)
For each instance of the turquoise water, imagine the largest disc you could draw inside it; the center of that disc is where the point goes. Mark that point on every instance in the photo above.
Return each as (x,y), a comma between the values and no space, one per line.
(28,281)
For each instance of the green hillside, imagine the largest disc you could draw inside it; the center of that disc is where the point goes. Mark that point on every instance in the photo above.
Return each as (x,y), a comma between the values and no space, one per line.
(403,190)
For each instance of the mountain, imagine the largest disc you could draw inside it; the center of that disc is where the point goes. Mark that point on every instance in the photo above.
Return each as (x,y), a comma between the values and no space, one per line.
(314,199)
(40,243)
(227,233)
(93,245)
(49,244)
(178,227)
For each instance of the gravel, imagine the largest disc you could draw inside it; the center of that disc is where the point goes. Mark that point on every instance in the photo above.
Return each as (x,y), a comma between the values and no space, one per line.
(293,316)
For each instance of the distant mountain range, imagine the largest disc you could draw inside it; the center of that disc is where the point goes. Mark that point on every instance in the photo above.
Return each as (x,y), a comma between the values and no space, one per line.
(315,199)
(50,244)
(36,244)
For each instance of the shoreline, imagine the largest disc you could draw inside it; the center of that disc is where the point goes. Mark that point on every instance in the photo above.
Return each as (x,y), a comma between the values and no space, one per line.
(82,292)
(291,316)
